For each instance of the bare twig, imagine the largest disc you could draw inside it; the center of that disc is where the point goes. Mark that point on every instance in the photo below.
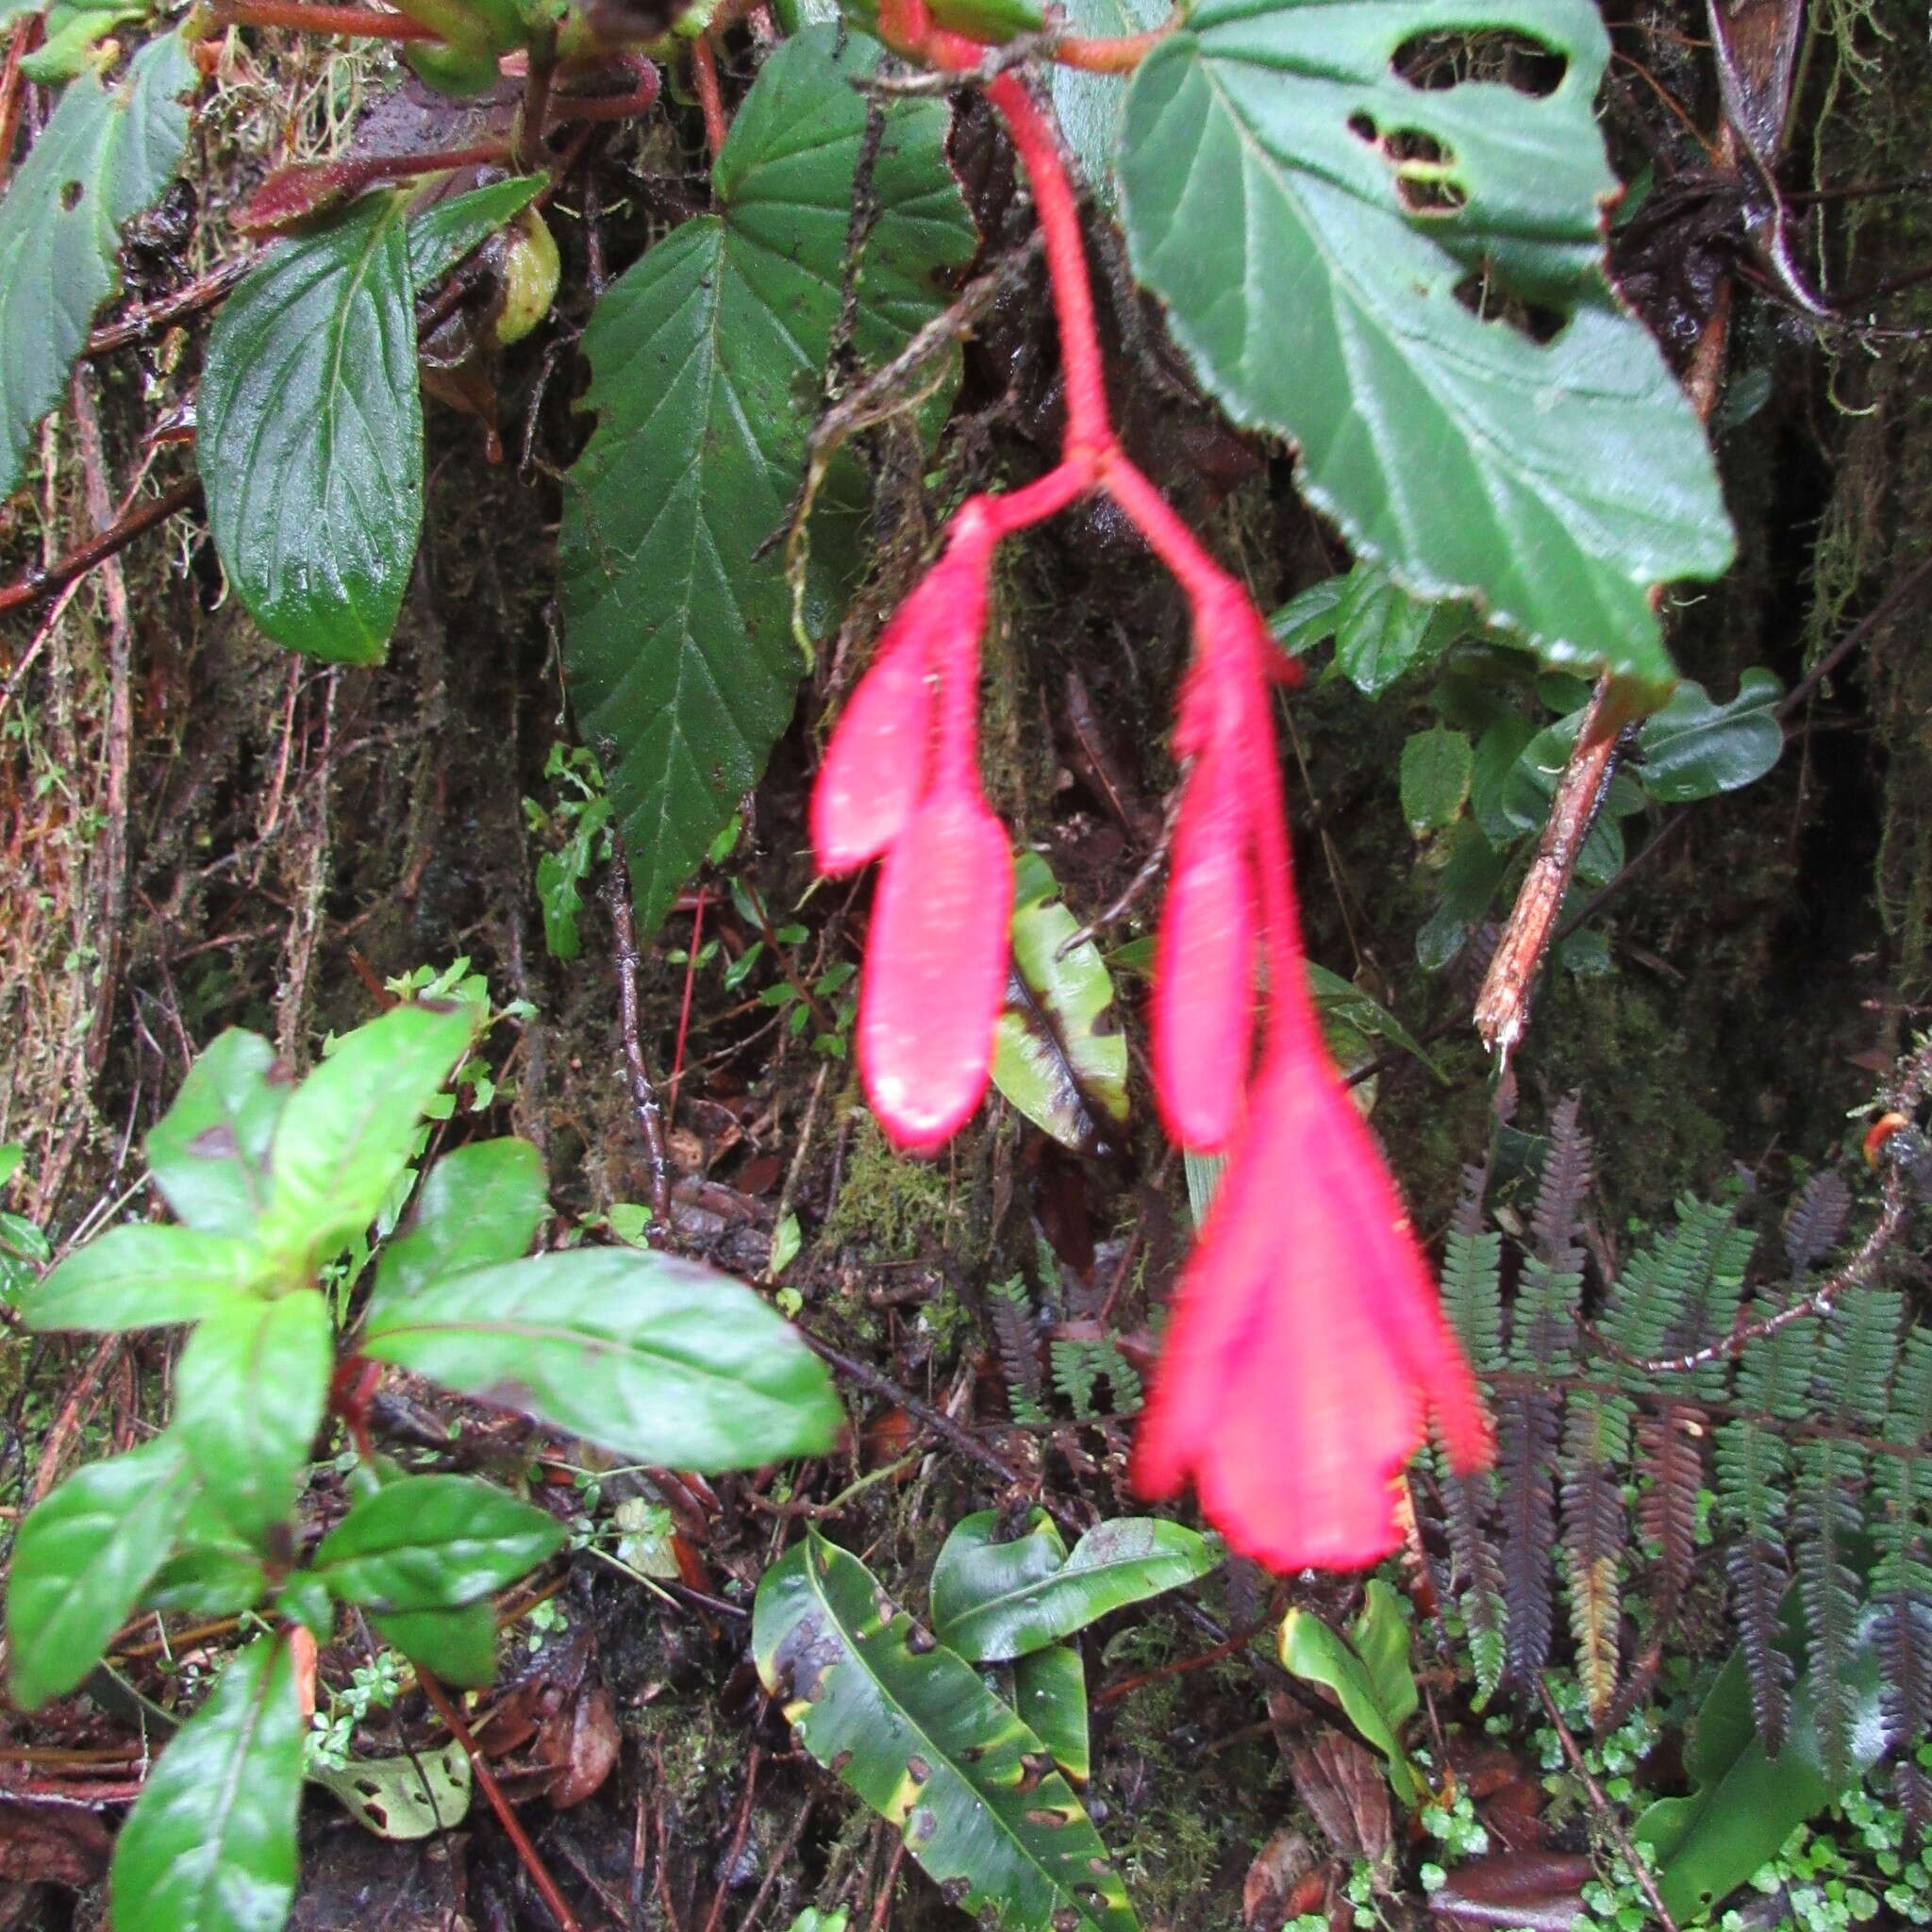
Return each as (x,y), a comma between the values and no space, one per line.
(144,323)
(31,587)
(643,1095)
(739,1826)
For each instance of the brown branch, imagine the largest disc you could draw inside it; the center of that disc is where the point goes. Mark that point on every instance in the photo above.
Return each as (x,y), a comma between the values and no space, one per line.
(32,585)
(142,324)
(642,1094)
(739,1826)
(26,30)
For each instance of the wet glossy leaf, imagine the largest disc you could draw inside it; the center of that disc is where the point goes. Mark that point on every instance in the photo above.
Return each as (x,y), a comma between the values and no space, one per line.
(1694,748)
(82,1558)
(703,358)
(1050,1694)
(310,437)
(209,1153)
(1368,1671)
(441,235)
(141,1275)
(250,1392)
(479,1204)
(1316,223)
(403,1798)
(434,1542)
(104,153)
(347,1131)
(1342,1004)
(1059,1055)
(908,1725)
(210,1846)
(993,1600)
(660,1359)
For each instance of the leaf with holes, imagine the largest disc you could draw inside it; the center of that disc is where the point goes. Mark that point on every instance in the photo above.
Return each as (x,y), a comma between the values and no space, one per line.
(310,437)
(104,153)
(704,361)
(210,1846)
(411,1797)
(1058,1054)
(993,1600)
(209,1153)
(908,1725)
(660,1360)
(1324,195)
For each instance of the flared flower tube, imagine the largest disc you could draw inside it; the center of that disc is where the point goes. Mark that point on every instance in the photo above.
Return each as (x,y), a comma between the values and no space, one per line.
(1306,1350)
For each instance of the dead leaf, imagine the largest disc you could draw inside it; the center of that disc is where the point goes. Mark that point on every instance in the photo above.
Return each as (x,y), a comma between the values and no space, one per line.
(588,1733)
(1540,1890)
(51,1844)
(1275,1876)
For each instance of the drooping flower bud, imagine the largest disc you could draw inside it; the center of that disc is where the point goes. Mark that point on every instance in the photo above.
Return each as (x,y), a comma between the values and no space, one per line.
(936,963)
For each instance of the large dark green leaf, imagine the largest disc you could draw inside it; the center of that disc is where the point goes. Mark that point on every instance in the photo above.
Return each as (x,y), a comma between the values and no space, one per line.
(310,437)
(908,1725)
(1311,217)
(993,1600)
(434,1542)
(347,1131)
(476,1205)
(210,1847)
(104,153)
(660,1360)
(705,358)
(1694,748)
(1059,1055)
(82,1558)
(209,1153)
(250,1392)
(143,1276)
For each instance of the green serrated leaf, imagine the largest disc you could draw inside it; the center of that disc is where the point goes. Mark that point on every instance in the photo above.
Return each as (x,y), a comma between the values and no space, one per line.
(210,1846)
(910,1726)
(1368,1671)
(459,1645)
(660,1359)
(1434,775)
(105,154)
(1694,748)
(1089,105)
(439,236)
(141,1275)
(434,1542)
(209,1153)
(479,1204)
(250,1392)
(1059,1054)
(347,1133)
(1310,217)
(705,358)
(311,436)
(993,1600)
(403,1798)
(81,1561)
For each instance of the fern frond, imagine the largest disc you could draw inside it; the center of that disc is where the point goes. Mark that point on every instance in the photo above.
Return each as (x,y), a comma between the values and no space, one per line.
(1860,1350)
(1011,1309)
(1596,1447)
(1569,1166)
(1902,1530)
(1472,1278)
(1670,1453)
(1759,1577)
(1825,1517)
(1816,1220)
(1543,1319)
(1478,1570)
(1526,1433)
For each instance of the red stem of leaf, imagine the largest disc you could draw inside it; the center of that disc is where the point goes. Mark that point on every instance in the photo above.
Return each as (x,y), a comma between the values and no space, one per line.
(703,70)
(316,17)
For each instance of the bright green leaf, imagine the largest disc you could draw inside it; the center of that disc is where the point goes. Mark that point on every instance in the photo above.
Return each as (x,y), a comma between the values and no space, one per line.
(441,235)
(1694,748)
(209,1153)
(1369,1674)
(1436,769)
(81,1561)
(410,1797)
(1497,750)
(210,1846)
(1059,1054)
(459,1645)
(310,438)
(910,1728)
(1310,217)
(347,1131)
(250,1392)
(1050,1694)
(479,1204)
(995,1600)
(104,153)
(139,1275)
(657,1359)
(705,358)
(1310,618)
(434,1542)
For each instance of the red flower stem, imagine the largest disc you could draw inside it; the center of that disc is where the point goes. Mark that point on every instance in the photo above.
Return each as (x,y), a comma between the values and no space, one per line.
(704,72)
(313,16)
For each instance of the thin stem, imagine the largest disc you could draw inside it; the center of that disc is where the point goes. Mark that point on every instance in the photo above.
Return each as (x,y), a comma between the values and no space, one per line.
(318,17)
(704,72)
(35,584)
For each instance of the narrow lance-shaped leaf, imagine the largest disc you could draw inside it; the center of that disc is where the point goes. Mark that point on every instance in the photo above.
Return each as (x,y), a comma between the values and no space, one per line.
(104,153)
(310,438)
(908,1725)
(1368,1671)
(1407,280)
(143,1276)
(676,628)
(660,1359)
(210,1846)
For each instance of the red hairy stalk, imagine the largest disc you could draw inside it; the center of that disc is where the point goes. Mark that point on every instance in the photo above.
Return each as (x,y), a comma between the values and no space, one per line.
(1308,1351)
